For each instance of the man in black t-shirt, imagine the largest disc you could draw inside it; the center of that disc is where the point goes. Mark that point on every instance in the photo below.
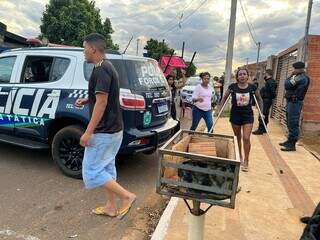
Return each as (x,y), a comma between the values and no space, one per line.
(103,136)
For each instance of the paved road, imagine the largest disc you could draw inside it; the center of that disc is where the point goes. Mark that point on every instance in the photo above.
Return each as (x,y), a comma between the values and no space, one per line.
(37,200)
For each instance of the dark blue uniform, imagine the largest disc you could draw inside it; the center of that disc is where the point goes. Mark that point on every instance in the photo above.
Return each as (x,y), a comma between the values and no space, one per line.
(296,88)
(268,93)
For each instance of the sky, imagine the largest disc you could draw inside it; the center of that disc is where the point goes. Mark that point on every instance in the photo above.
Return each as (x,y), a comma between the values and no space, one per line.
(202,24)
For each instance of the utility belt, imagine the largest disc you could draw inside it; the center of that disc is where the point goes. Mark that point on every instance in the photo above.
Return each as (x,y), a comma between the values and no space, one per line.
(293,99)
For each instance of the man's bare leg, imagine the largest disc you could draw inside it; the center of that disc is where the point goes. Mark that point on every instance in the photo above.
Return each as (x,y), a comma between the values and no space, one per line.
(110,207)
(126,197)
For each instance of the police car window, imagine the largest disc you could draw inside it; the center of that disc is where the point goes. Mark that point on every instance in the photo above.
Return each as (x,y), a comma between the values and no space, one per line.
(60,66)
(37,69)
(119,66)
(145,75)
(6,66)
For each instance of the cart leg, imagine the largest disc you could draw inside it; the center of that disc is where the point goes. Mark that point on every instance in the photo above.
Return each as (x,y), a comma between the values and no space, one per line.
(219,114)
(261,115)
(196,223)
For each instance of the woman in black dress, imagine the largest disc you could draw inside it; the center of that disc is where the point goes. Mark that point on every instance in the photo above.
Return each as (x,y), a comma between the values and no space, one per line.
(241,116)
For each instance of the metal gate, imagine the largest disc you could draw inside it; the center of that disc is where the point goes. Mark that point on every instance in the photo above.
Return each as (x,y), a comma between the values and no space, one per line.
(284,70)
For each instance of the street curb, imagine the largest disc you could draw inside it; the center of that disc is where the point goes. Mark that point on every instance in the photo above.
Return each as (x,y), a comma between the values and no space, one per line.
(161,230)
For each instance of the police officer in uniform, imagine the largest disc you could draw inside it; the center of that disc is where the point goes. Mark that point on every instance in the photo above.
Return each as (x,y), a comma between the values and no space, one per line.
(296,88)
(268,93)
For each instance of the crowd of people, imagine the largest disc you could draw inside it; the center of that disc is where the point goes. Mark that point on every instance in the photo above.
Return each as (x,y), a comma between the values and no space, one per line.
(103,135)
(245,94)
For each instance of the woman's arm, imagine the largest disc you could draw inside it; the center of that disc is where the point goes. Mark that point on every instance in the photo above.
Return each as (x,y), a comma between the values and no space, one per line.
(181,84)
(224,99)
(196,95)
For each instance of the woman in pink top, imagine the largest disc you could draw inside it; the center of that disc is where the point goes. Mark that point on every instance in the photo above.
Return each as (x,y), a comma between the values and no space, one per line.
(201,97)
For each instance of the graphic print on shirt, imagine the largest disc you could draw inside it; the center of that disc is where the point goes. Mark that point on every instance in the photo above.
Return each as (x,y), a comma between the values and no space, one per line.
(243,99)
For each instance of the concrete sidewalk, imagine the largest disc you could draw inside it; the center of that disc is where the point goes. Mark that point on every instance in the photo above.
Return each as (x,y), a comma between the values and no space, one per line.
(276,192)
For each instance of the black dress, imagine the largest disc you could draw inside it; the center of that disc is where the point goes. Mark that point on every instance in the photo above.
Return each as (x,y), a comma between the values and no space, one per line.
(242,99)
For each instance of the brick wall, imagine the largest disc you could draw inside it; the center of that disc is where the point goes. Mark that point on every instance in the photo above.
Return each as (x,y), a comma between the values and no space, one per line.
(311,109)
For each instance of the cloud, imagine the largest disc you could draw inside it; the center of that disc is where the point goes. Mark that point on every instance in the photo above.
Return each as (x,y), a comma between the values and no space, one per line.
(278,24)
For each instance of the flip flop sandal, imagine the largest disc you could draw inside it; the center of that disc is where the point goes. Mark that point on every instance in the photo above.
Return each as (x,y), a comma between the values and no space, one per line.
(100,211)
(245,169)
(123,212)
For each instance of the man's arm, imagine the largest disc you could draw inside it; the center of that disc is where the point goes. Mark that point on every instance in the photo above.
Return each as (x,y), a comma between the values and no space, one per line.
(273,88)
(97,113)
(292,82)
(180,84)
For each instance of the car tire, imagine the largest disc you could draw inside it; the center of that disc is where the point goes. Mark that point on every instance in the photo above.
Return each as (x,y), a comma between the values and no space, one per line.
(67,152)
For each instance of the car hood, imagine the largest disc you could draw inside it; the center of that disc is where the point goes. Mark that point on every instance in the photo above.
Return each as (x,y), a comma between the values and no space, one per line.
(188,88)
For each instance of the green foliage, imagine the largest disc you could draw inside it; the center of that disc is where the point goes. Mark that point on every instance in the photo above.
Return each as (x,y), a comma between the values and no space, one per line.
(156,49)
(69,21)
(192,69)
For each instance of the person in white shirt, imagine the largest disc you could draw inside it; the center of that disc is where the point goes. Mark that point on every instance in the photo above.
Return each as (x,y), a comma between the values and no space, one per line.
(202,97)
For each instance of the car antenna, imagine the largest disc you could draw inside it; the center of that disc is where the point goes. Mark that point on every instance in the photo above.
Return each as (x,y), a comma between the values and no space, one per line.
(128,44)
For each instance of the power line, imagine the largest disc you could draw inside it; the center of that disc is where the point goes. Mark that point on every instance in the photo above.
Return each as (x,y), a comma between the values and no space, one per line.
(248,25)
(186,18)
(146,11)
(178,15)
(253,30)
(189,5)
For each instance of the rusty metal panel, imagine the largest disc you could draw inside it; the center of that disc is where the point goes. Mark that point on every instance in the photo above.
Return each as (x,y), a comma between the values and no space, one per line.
(284,70)
(208,179)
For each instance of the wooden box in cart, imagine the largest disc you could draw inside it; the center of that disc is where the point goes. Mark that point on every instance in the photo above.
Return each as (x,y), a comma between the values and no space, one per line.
(200,166)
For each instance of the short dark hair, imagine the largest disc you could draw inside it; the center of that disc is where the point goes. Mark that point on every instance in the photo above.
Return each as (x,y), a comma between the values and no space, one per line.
(204,74)
(170,76)
(241,69)
(97,40)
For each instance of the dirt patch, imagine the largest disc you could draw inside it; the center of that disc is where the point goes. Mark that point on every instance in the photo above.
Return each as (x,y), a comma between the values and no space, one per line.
(146,218)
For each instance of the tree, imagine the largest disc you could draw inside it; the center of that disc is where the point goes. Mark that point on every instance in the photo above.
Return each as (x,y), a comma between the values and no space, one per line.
(69,21)
(107,31)
(192,69)
(156,49)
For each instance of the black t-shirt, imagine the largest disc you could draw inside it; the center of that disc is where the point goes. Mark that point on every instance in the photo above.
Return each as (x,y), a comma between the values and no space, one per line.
(105,79)
(242,99)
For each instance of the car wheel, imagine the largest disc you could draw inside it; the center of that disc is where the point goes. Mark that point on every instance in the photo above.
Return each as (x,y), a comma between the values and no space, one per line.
(67,152)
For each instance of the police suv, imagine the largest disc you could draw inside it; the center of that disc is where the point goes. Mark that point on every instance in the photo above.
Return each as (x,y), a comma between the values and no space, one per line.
(38,89)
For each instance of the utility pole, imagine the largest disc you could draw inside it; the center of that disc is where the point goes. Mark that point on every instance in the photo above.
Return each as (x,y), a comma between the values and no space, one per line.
(247,63)
(258,56)
(305,45)
(137,52)
(232,27)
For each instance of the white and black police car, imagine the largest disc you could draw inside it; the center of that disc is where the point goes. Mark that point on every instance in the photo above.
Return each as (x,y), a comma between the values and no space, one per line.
(38,89)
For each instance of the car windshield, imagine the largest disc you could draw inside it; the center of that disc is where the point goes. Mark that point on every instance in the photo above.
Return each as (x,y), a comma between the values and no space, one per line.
(145,75)
(137,74)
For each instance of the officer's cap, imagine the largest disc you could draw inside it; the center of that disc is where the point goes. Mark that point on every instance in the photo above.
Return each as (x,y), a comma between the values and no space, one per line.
(298,65)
